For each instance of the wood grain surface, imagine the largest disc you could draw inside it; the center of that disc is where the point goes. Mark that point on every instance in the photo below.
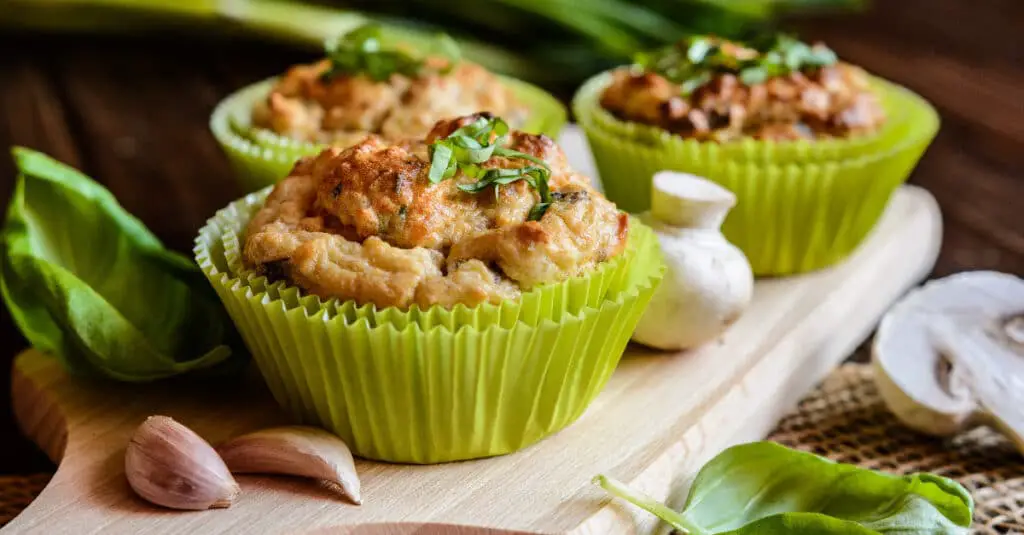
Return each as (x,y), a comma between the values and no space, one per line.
(661,416)
(132,112)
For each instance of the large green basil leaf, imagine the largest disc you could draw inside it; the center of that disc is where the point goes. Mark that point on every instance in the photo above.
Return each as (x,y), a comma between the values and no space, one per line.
(87,282)
(765,488)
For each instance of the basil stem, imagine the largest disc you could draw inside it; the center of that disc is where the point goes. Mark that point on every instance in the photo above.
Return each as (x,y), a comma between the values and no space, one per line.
(648,504)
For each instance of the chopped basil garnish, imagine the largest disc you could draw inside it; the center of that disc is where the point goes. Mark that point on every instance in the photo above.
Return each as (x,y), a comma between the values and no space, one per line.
(693,62)
(363,51)
(471,145)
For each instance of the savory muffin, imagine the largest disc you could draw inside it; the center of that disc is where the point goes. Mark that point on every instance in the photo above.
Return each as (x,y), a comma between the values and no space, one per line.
(364,88)
(812,147)
(473,213)
(715,90)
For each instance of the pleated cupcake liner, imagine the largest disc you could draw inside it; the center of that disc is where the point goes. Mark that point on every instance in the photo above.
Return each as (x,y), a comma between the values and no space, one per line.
(260,157)
(791,217)
(548,302)
(788,218)
(627,183)
(402,392)
(589,113)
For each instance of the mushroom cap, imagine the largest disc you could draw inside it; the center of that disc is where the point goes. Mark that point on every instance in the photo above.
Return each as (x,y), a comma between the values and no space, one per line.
(689,201)
(946,357)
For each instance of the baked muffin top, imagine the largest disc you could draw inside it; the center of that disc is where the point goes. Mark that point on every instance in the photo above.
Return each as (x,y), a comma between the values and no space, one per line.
(475,212)
(711,89)
(363,87)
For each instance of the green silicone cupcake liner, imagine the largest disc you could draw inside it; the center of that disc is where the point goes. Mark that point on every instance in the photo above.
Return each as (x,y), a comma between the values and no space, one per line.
(588,111)
(544,303)
(400,392)
(260,157)
(789,218)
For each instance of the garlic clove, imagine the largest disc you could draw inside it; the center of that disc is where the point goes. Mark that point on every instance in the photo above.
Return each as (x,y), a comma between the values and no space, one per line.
(168,464)
(297,451)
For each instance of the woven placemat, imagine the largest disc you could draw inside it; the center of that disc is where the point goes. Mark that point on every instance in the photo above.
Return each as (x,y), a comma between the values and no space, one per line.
(845,420)
(16,492)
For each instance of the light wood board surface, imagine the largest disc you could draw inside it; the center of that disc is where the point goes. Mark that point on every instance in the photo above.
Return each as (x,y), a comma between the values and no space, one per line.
(660,417)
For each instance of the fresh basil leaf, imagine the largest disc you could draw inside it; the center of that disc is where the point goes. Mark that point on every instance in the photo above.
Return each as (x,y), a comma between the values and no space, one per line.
(88,283)
(753,75)
(479,155)
(538,211)
(543,175)
(795,55)
(820,56)
(509,153)
(440,157)
(753,481)
(464,142)
(699,49)
(479,128)
(475,187)
(501,128)
(362,51)
(471,145)
(693,62)
(765,488)
(692,84)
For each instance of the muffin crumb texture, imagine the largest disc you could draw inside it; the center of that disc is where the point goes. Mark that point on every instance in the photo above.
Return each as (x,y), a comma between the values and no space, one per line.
(367,224)
(307,105)
(829,101)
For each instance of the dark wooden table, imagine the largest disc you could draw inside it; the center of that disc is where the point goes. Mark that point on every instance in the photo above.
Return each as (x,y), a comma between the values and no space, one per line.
(132,113)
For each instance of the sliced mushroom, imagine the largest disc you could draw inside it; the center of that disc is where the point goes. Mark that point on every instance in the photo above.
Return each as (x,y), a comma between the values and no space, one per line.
(950,355)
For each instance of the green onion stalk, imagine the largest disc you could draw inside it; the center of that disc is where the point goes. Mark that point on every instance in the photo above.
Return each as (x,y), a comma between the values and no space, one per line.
(549,42)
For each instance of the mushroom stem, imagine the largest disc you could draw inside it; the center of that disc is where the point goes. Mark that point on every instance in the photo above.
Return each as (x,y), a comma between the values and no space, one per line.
(1014,329)
(990,368)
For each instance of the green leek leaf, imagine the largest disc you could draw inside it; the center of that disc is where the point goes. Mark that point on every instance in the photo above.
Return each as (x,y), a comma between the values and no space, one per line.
(88,283)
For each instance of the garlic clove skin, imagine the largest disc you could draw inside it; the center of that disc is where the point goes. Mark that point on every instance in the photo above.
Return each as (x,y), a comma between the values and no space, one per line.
(297,451)
(168,464)
(708,282)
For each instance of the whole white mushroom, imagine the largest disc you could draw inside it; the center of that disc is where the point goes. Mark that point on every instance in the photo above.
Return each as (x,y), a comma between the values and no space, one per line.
(708,282)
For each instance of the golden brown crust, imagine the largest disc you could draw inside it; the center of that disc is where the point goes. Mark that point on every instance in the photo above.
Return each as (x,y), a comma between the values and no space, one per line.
(365,223)
(345,109)
(832,101)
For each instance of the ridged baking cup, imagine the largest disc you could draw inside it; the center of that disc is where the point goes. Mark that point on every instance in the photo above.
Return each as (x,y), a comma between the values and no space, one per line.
(418,390)
(260,157)
(790,217)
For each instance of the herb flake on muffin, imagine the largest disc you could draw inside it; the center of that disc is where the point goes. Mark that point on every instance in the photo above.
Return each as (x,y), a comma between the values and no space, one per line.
(711,89)
(362,51)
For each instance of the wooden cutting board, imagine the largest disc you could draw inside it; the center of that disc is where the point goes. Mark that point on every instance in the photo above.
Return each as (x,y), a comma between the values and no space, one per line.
(660,417)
